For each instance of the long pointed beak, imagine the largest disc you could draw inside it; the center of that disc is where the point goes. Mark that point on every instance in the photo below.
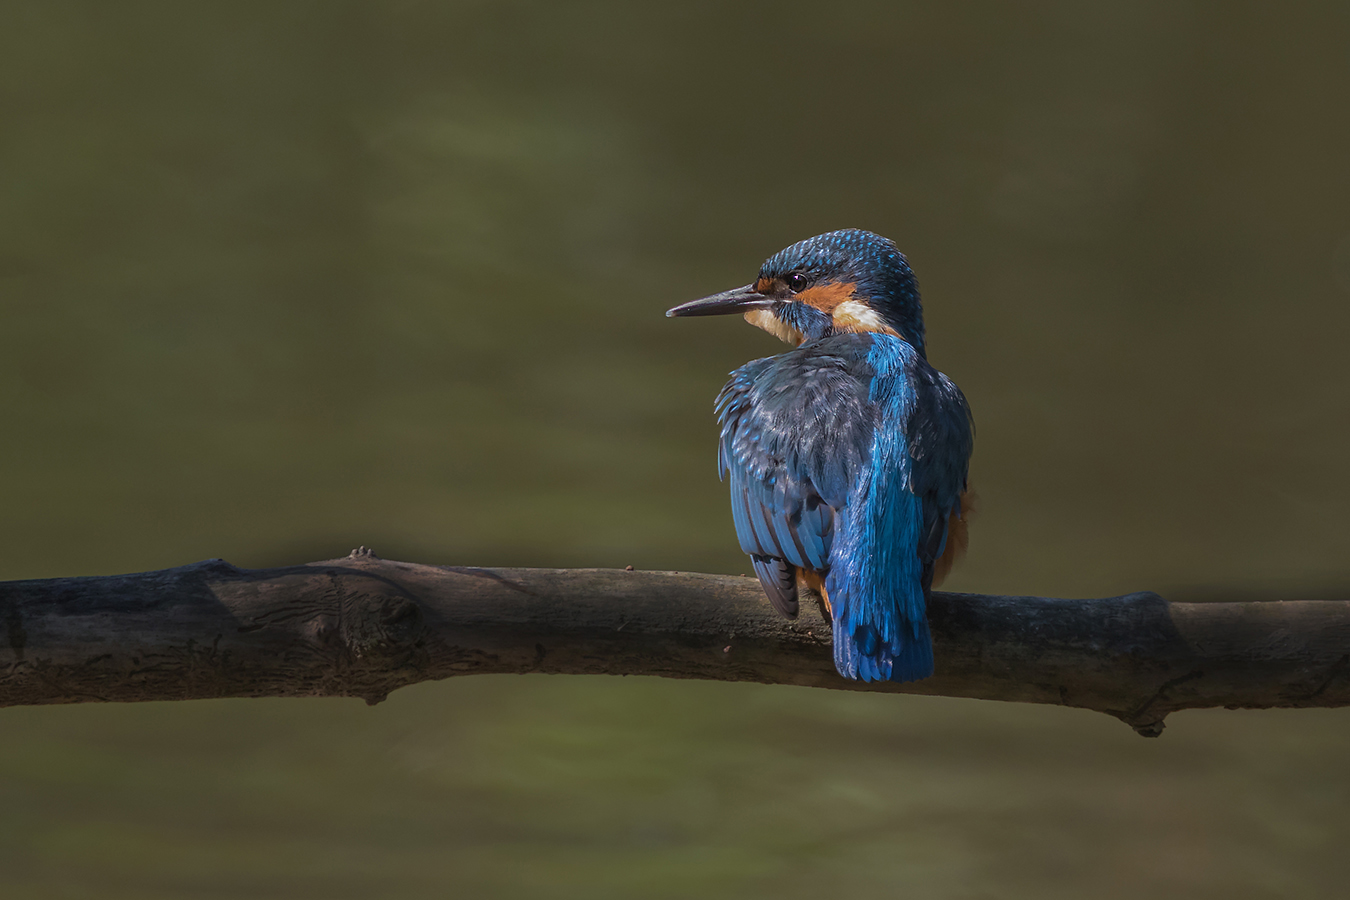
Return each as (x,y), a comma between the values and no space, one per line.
(734,301)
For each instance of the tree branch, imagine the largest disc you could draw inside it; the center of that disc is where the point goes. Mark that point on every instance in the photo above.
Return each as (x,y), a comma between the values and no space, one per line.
(363,626)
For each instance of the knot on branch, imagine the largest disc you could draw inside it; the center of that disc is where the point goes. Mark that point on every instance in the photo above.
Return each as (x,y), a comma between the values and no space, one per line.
(380,630)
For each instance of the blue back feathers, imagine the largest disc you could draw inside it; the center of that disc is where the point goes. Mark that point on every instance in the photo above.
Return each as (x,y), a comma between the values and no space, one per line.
(876,584)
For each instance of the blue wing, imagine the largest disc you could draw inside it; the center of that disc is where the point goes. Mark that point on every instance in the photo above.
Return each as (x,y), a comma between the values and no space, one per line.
(795,429)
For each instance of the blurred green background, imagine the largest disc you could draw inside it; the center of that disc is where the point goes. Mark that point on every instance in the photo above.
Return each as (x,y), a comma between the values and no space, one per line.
(279,279)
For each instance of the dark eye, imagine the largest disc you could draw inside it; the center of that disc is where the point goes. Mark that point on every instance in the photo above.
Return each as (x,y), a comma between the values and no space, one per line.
(796,281)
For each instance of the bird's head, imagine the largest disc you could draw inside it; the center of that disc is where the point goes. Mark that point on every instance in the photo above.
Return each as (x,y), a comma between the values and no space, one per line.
(843,281)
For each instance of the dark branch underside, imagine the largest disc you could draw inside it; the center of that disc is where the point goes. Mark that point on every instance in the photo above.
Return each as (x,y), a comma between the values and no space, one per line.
(364,626)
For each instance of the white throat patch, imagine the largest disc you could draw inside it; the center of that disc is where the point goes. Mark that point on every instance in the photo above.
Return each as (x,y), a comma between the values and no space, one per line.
(762,318)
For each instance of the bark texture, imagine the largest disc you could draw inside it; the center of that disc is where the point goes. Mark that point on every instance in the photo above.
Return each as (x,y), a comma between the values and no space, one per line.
(363,626)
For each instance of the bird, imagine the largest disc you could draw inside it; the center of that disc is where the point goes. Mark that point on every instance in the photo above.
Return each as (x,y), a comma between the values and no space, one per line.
(848,455)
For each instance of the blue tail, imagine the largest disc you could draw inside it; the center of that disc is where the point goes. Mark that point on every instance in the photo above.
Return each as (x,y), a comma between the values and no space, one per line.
(876,582)
(862,655)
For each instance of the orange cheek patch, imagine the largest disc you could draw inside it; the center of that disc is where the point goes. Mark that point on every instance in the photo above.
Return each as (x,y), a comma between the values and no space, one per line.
(825,297)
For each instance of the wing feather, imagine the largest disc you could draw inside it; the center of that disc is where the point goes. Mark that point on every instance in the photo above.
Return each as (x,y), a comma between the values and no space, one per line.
(794,431)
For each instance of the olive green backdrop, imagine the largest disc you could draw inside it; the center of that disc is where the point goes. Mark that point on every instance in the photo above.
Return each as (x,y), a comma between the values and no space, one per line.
(279,279)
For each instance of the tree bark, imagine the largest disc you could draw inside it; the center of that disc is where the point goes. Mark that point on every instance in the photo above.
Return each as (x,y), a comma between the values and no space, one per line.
(363,626)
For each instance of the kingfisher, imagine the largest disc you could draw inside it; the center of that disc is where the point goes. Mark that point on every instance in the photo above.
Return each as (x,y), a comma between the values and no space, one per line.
(848,455)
